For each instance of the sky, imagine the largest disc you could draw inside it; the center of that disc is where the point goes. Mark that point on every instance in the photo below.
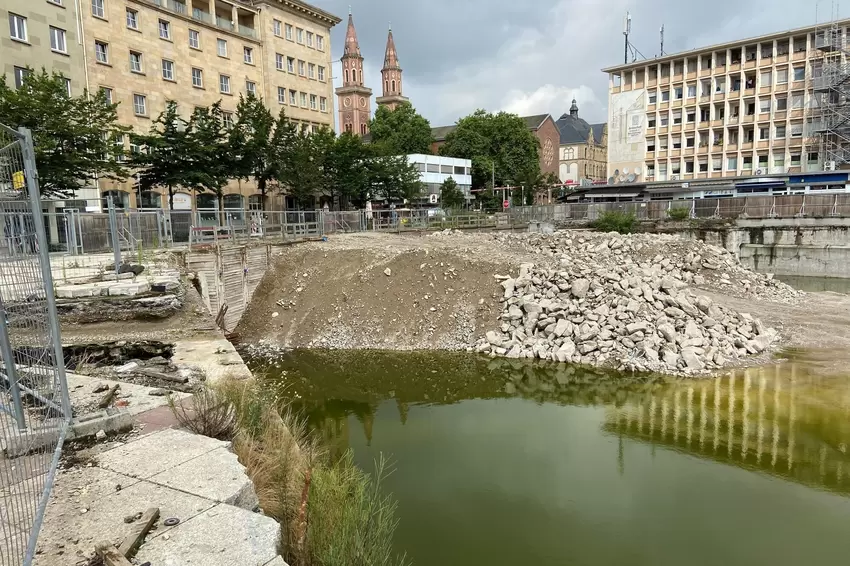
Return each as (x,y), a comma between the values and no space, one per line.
(535,56)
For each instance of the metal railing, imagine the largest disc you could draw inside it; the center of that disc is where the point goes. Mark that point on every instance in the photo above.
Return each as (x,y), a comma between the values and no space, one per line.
(35,409)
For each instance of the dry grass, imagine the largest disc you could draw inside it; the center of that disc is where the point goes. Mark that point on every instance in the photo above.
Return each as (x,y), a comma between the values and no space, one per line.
(208,412)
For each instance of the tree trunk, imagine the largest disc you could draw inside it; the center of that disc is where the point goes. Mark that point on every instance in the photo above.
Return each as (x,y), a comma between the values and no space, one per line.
(170,198)
(220,198)
(261,185)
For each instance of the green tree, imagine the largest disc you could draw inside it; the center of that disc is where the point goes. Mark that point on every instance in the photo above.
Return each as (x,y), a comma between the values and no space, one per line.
(77,139)
(252,143)
(400,132)
(212,163)
(500,146)
(393,178)
(347,179)
(165,158)
(301,170)
(450,195)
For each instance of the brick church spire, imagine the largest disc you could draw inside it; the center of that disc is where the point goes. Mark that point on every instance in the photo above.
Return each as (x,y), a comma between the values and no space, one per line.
(391,77)
(354,99)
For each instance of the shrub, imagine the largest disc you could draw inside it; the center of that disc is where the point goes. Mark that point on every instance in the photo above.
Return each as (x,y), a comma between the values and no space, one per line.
(616,221)
(679,213)
(207,412)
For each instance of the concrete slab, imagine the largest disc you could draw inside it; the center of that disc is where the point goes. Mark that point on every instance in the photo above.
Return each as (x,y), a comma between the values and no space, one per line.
(86,508)
(154,453)
(120,277)
(163,284)
(218,359)
(74,291)
(130,289)
(221,536)
(216,475)
(277,562)
(139,400)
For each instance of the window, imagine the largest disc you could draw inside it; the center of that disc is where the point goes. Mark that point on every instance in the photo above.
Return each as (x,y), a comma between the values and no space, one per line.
(764,105)
(313,101)
(677,92)
(691,116)
(194,39)
(766,79)
(222,47)
(748,162)
(716,163)
(321,73)
(224,84)
(720,85)
(289,32)
(167,70)
(303,100)
(248,55)
(689,166)
(301,67)
(276,27)
(782,76)
(320,43)
(17,27)
(650,145)
(795,159)
(677,143)
(227,118)
(107,94)
(781,132)
(299,35)
(796,130)
(764,133)
(653,97)
(797,101)
(140,105)
(290,64)
(164,29)
(779,161)
(309,39)
(292,98)
(732,164)
(799,73)
(98,8)
(101,52)
(281,95)
(664,119)
(311,70)
(323,104)
(689,141)
(197,78)
(676,167)
(251,87)
(135,62)
(692,91)
(677,117)
(762,162)
(132,19)
(663,143)
(781,103)
(665,95)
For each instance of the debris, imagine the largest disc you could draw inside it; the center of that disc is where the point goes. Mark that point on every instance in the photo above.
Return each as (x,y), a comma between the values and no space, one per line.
(129,366)
(101,435)
(107,399)
(158,392)
(388,272)
(133,540)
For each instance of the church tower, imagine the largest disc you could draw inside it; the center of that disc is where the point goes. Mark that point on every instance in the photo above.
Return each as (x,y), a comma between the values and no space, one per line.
(391,77)
(354,99)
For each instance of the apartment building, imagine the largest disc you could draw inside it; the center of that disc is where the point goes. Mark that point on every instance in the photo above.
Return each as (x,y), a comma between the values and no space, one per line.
(42,35)
(740,108)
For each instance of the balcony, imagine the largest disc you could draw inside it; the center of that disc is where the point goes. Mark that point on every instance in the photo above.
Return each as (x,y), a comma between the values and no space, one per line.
(749,92)
(749,119)
(799,56)
(764,90)
(652,83)
(780,142)
(735,67)
(783,58)
(662,153)
(223,16)
(702,150)
(746,145)
(716,123)
(751,64)
(650,155)
(677,103)
(663,130)
(690,126)
(781,87)
(171,6)
(763,144)
(733,146)
(719,95)
(677,128)
(664,106)
(733,120)
(705,72)
(692,75)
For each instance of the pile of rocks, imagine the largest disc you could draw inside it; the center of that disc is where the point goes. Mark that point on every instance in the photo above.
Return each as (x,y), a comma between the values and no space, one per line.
(625,302)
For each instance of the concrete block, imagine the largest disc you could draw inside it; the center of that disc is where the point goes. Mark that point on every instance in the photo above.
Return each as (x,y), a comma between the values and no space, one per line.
(221,536)
(216,475)
(154,453)
(164,284)
(119,277)
(130,289)
(74,291)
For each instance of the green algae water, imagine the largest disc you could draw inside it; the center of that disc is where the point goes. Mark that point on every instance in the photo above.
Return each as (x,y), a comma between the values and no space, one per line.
(504,462)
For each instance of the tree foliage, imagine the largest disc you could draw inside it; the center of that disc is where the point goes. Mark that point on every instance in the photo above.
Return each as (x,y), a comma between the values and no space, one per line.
(499,145)
(255,142)
(450,195)
(77,140)
(213,163)
(400,132)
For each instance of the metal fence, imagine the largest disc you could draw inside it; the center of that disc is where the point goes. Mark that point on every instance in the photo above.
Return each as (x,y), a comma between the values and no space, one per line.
(35,409)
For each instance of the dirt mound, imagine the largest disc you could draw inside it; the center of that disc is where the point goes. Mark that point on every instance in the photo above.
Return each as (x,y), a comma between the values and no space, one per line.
(397,293)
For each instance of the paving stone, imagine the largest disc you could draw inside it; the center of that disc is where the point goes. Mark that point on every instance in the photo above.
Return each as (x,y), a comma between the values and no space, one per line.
(169,448)
(221,536)
(130,289)
(119,277)
(74,291)
(216,475)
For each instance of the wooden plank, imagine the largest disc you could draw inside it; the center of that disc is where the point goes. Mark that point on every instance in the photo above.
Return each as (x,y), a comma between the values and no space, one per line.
(140,530)
(107,399)
(111,555)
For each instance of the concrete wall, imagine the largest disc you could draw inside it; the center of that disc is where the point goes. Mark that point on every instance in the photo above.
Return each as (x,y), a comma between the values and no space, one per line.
(788,246)
(229,276)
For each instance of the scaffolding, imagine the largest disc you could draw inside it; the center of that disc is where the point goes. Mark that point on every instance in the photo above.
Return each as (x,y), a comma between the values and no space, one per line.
(829,111)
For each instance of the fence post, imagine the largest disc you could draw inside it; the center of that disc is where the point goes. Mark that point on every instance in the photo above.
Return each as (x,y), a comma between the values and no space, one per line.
(11,370)
(113,230)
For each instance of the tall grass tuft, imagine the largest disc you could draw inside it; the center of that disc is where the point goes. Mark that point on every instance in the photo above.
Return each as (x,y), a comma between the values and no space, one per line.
(208,412)
(616,221)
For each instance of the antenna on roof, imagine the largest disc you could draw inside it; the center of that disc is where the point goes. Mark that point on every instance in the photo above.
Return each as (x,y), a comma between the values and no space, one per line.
(662,40)
(627,29)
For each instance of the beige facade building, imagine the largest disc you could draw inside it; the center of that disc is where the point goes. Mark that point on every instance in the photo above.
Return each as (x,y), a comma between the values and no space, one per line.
(746,107)
(583,153)
(42,34)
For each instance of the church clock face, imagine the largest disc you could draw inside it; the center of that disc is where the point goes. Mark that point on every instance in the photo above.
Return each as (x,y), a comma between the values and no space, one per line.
(347,101)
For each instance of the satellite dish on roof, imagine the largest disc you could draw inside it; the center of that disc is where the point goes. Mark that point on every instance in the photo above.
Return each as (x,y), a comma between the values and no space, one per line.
(610,180)
(625,170)
(631,178)
(637,170)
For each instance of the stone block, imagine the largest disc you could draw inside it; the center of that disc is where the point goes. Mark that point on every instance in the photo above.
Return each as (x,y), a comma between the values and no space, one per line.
(164,284)
(119,277)
(75,291)
(130,289)
(221,536)
(216,475)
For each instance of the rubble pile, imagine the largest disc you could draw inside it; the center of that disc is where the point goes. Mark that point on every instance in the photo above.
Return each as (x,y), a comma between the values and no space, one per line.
(627,302)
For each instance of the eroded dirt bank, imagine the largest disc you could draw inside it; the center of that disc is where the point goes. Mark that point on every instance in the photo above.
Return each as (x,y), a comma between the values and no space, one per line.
(445,291)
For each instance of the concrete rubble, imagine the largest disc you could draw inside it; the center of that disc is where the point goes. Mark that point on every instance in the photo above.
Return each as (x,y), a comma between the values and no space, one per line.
(628,302)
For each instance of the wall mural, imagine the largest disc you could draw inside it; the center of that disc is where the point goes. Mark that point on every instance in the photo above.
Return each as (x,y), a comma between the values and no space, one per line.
(627,136)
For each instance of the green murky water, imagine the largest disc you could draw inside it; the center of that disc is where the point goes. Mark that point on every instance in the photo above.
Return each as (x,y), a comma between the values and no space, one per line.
(817,284)
(501,462)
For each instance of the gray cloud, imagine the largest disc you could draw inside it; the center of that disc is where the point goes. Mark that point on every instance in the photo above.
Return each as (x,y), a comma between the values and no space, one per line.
(535,56)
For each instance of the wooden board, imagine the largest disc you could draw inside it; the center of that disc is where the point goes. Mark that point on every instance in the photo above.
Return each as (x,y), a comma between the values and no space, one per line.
(111,555)
(132,541)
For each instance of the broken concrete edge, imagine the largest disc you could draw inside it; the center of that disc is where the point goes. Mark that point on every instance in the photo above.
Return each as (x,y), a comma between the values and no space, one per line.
(109,423)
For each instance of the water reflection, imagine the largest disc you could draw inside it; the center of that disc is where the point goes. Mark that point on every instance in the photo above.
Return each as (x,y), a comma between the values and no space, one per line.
(781,420)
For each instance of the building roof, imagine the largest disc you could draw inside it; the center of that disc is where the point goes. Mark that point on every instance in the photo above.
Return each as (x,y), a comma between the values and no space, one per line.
(576,130)
(440,133)
(309,10)
(727,45)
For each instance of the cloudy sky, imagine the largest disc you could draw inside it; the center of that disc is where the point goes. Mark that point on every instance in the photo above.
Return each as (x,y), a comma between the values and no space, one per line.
(534,56)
